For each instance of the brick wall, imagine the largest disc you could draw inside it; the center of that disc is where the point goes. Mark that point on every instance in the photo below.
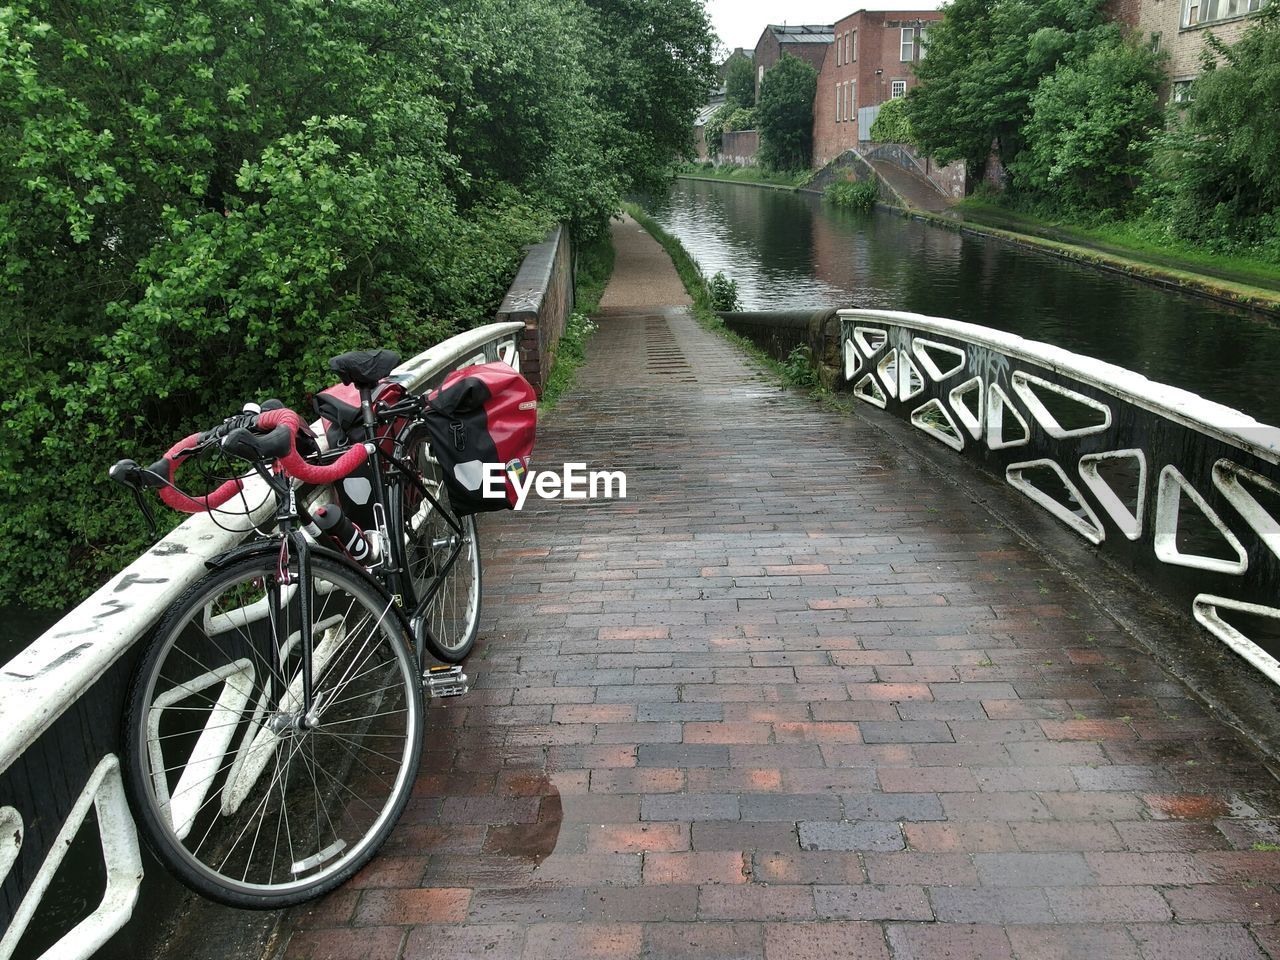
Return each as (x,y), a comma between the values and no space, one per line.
(878,47)
(1183,45)
(541,297)
(739,147)
(769,51)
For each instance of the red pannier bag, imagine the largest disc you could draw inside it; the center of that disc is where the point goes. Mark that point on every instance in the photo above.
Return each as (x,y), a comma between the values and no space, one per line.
(482,421)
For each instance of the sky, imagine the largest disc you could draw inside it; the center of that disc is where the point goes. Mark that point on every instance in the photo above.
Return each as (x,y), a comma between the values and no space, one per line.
(740,22)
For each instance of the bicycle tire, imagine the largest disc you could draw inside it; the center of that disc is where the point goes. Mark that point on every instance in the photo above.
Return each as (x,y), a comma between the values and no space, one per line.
(204,727)
(449,626)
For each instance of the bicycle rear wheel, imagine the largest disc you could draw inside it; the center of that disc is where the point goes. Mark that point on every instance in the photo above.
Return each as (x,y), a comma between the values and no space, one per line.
(247,801)
(449,625)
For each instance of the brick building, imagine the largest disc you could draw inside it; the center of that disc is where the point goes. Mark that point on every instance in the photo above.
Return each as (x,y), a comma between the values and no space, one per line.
(1178,27)
(870,60)
(806,42)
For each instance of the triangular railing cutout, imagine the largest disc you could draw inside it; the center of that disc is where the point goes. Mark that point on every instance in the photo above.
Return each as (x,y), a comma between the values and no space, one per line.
(1254,496)
(1048,485)
(1208,611)
(934,420)
(869,390)
(888,370)
(938,359)
(1171,522)
(969,392)
(910,383)
(852,362)
(1002,419)
(1061,412)
(1118,480)
(869,340)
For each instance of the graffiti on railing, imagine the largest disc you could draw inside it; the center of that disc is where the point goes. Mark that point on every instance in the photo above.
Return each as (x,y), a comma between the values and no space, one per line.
(1160,478)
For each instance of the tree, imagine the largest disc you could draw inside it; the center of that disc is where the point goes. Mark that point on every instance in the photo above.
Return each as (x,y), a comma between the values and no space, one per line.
(740,81)
(201,201)
(986,58)
(1218,170)
(1090,133)
(784,114)
(654,70)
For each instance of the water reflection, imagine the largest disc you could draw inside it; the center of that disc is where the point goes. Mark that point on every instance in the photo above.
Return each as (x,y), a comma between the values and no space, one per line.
(790,251)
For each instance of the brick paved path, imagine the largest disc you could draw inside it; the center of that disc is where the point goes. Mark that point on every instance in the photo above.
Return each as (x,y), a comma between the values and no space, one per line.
(792,699)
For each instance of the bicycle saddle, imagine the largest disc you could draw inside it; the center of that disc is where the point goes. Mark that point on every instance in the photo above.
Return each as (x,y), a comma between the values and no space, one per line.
(364,368)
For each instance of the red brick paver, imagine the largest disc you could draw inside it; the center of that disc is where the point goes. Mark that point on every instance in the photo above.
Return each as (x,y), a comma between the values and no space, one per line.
(794,698)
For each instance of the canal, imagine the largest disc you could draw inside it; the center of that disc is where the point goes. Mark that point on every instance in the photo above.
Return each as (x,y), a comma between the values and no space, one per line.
(794,251)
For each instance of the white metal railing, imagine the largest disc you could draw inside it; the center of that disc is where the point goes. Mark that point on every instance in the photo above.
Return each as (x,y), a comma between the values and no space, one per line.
(1177,485)
(61,666)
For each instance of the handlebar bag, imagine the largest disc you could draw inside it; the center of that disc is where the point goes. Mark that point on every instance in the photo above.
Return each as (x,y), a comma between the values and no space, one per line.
(482,421)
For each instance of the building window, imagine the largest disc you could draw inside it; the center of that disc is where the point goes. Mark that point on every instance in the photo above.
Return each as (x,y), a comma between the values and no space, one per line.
(924,42)
(1195,12)
(897,90)
(853,46)
(838,95)
(853,99)
(840,50)
(1155,43)
(908,52)
(1182,93)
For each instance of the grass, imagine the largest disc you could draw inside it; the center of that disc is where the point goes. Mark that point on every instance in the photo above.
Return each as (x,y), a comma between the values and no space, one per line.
(757,175)
(595,266)
(1131,239)
(1263,847)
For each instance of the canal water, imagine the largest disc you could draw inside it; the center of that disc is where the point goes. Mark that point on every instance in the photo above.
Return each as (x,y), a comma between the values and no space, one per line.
(791,251)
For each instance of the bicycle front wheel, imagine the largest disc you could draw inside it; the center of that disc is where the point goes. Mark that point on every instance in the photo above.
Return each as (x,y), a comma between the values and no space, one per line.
(246,796)
(431,535)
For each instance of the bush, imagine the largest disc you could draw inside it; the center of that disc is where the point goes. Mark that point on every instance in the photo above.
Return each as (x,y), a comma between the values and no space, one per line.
(740,81)
(860,195)
(892,124)
(201,202)
(1090,133)
(724,293)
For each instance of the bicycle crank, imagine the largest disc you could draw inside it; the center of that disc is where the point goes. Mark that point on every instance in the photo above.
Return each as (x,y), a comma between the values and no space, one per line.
(445,681)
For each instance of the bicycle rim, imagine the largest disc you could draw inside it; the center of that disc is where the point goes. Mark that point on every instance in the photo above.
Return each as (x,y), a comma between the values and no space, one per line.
(247,800)
(450,623)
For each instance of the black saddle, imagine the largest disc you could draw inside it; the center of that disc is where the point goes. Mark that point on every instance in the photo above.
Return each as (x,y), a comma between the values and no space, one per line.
(365,368)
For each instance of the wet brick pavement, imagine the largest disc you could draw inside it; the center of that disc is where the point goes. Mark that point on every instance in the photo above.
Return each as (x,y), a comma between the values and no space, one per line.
(793,699)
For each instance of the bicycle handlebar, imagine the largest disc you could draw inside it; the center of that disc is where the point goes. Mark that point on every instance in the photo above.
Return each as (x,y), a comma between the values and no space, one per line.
(241,436)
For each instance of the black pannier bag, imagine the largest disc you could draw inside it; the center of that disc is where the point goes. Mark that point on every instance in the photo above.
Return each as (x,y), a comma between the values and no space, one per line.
(482,421)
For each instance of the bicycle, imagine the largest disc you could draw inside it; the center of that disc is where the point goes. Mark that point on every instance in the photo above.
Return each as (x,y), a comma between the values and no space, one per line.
(274,726)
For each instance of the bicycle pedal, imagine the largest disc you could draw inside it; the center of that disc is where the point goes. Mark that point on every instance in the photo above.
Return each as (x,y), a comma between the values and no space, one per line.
(445,681)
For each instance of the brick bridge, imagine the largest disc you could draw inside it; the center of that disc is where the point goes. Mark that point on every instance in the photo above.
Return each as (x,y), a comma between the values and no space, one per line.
(778,704)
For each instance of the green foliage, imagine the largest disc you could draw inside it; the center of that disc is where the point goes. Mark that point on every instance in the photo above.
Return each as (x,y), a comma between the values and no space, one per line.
(726,119)
(1091,127)
(986,59)
(1217,176)
(593,269)
(858,195)
(785,114)
(798,370)
(740,81)
(724,293)
(892,125)
(570,355)
(201,202)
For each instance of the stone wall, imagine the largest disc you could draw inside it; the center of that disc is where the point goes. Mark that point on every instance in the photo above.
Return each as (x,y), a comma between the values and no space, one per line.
(739,148)
(541,297)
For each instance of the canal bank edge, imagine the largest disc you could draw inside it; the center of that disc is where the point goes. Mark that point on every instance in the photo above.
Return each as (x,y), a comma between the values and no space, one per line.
(1239,295)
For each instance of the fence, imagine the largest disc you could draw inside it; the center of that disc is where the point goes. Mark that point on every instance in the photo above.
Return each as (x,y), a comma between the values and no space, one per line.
(61,700)
(1184,491)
